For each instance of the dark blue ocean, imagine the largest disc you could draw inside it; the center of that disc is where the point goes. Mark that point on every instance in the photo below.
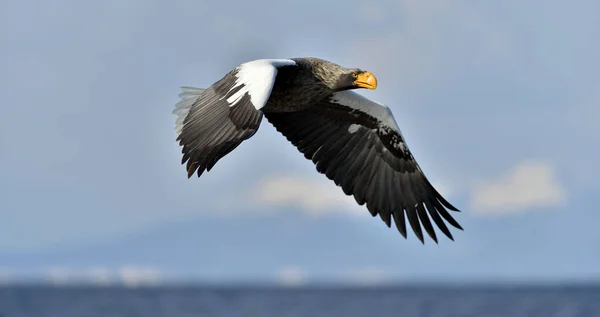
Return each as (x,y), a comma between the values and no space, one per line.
(313,302)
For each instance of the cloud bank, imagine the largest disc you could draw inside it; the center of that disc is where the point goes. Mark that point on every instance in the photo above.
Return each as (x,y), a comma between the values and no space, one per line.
(528,185)
(128,275)
(311,195)
(291,276)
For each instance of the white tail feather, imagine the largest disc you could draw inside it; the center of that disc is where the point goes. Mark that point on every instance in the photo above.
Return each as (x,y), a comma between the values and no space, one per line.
(188,96)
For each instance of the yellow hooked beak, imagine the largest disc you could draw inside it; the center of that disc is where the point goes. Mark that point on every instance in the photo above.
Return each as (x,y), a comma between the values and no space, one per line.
(366,80)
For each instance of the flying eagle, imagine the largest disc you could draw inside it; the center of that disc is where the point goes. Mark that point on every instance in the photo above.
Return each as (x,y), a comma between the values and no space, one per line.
(354,141)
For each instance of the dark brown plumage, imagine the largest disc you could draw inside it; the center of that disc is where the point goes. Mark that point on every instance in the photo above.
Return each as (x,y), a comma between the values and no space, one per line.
(355,142)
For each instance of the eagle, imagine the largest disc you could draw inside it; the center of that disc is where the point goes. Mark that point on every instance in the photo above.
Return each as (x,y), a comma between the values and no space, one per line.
(312,102)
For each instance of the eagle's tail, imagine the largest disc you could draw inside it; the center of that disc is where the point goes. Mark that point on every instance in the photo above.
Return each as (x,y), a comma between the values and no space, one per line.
(188,96)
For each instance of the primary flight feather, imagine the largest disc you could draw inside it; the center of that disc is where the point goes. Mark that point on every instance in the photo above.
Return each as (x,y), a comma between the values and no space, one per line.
(352,140)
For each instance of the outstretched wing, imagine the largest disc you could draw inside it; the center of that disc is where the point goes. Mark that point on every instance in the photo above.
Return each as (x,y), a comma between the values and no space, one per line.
(213,122)
(356,143)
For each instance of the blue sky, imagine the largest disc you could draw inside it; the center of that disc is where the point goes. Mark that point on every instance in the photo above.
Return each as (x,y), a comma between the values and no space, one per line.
(498,102)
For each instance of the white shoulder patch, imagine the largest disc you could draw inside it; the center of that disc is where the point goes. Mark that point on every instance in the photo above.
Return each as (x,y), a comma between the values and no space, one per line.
(257,78)
(188,96)
(376,110)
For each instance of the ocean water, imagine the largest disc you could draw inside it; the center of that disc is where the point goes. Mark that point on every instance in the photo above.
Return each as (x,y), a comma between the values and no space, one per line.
(313,302)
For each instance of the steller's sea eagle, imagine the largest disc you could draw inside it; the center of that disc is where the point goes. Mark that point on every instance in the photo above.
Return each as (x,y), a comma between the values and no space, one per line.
(352,140)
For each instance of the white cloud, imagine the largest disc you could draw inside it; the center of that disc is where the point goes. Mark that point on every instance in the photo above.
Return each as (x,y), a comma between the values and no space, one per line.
(59,275)
(528,185)
(130,276)
(312,195)
(291,276)
(135,276)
